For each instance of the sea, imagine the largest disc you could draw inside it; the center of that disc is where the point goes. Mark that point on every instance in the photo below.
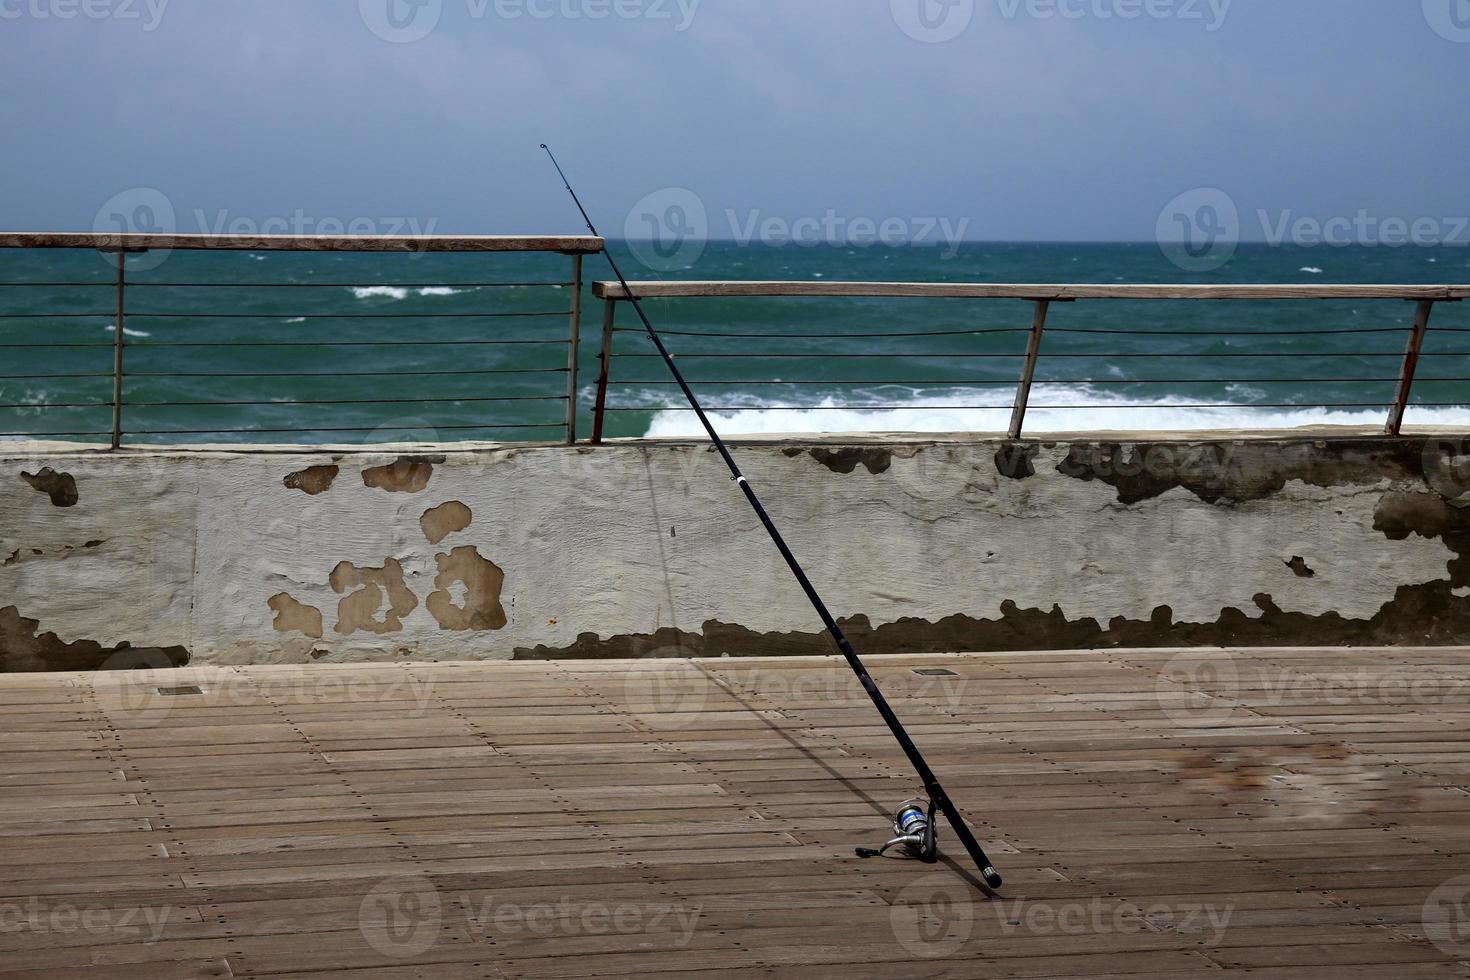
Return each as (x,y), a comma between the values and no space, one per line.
(344,349)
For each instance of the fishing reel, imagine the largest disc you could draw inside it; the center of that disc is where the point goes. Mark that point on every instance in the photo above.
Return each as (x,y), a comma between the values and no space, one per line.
(913,823)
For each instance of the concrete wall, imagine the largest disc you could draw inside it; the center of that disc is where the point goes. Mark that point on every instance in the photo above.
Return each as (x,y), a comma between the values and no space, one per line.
(276,557)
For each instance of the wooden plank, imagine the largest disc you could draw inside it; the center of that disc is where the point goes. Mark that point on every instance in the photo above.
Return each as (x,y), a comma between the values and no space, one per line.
(1025,291)
(272,811)
(574,244)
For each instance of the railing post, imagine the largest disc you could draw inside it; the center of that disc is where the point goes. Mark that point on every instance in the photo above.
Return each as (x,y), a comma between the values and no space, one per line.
(117,348)
(1411,365)
(1028,372)
(576,350)
(599,410)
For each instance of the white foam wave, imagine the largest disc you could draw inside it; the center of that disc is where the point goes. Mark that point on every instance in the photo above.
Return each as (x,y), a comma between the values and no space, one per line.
(401,292)
(38,398)
(1052,409)
(297,319)
(127,331)
(377,292)
(1314,270)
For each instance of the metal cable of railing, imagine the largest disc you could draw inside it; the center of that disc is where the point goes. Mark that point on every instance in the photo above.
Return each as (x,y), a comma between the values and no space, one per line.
(967,354)
(866,407)
(347,316)
(830,335)
(334,285)
(476,427)
(223,354)
(347,343)
(930,382)
(341,374)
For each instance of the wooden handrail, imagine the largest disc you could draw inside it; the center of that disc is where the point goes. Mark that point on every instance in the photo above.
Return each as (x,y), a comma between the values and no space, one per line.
(1042,295)
(118,247)
(567,244)
(1026,291)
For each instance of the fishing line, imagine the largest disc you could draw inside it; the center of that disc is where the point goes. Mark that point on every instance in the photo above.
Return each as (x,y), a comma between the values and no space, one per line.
(921,840)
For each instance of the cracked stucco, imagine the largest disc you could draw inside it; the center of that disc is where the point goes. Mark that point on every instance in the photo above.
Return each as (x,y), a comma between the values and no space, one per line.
(630,539)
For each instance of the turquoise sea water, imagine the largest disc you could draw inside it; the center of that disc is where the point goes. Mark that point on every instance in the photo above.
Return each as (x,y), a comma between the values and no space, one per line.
(348,348)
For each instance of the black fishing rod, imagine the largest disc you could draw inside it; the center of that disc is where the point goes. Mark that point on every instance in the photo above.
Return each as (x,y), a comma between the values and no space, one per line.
(921,840)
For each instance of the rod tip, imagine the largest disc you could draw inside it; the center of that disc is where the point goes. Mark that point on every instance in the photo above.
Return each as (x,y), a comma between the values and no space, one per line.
(545,147)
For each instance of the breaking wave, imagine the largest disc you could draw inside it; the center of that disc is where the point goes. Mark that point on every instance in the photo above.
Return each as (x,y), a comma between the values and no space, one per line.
(401,292)
(1052,409)
(380,292)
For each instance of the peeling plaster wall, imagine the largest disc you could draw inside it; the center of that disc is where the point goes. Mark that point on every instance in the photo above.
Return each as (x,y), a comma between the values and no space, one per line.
(96,561)
(644,548)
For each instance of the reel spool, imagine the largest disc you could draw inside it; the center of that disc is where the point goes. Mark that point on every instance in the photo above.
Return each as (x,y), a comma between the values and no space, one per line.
(913,823)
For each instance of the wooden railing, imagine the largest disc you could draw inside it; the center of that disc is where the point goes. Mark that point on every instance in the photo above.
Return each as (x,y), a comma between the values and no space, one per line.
(108,242)
(1042,297)
(117,414)
(122,308)
(1028,291)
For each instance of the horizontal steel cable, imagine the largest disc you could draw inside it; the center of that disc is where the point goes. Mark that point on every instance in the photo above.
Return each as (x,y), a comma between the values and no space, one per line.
(334,285)
(964,354)
(336,343)
(1006,408)
(135,314)
(936,383)
(349,401)
(333,374)
(369,428)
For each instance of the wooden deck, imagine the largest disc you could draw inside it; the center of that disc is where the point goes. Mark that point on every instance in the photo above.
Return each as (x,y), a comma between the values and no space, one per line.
(1308,821)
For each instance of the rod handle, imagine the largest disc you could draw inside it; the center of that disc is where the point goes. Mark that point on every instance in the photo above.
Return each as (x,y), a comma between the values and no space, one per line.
(977,853)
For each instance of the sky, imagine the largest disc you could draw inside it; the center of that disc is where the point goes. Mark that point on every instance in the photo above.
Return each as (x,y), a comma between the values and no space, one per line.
(1071,120)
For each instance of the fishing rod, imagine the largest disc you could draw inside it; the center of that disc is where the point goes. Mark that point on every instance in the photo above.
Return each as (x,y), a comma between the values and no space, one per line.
(914,827)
